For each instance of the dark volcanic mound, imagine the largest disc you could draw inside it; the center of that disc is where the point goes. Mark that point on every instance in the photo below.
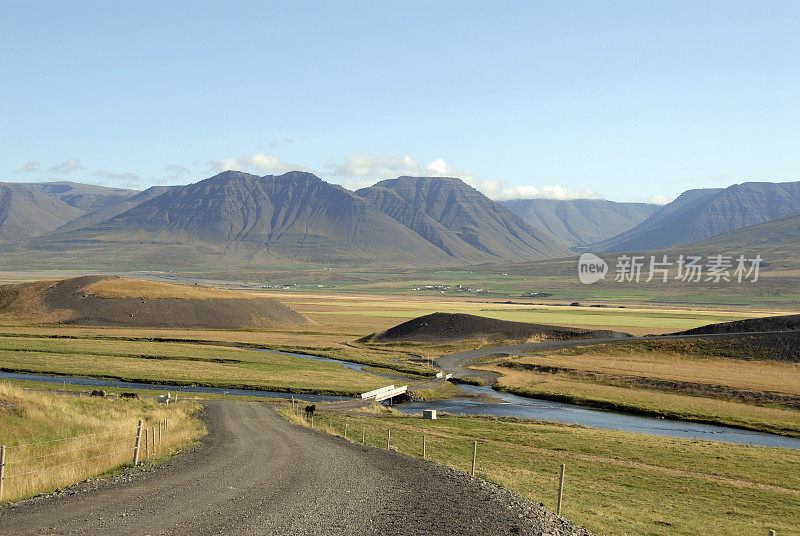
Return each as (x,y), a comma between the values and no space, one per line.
(121,302)
(447,327)
(768,323)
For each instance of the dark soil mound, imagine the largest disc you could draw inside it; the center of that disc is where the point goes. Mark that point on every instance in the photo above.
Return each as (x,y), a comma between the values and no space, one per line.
(448,327)
(769,323)
(120,302)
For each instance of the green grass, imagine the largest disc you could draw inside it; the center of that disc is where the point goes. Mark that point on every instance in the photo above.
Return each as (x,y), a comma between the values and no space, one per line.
(180,364)
(618,483)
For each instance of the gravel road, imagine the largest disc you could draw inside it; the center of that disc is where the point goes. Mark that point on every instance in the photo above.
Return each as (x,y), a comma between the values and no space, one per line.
(255,473)
(458,364)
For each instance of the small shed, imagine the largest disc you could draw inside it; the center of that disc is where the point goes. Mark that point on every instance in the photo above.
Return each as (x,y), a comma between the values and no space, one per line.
(428,413)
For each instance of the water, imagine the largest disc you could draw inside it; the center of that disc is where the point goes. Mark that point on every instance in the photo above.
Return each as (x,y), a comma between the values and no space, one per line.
(71,380)
(510,406)
(531,408)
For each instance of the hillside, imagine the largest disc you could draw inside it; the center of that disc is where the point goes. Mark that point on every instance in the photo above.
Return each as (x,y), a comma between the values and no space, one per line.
(235,219)
(114,208)
(25,213)
(581,221)
(486,226)
(87,197)
(121,302)
(701,214)
(452,327)
(768,323)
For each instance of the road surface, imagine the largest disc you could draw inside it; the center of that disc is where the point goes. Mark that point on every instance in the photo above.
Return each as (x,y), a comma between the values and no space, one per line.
(255,473)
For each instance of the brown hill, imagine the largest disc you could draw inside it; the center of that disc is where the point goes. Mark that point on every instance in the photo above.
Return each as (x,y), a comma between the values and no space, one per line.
(450,327)
(768,323)
(122,302)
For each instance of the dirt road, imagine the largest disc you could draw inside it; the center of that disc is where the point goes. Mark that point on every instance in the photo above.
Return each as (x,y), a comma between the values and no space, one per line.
(255,473)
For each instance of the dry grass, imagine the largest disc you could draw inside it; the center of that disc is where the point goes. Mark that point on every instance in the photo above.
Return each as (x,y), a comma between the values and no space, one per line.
(56,440)
(776,377)
(650,402)
(137,288)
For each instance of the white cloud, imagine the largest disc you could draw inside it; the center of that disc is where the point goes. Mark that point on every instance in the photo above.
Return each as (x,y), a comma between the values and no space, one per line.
(363,169)
(501,191)
(29,167)
(364,166)
(67,166)
(176,171)
(659,199)
(123,180)
(259,162)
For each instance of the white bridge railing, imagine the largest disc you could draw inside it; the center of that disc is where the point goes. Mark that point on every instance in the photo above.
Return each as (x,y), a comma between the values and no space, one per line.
(384,393)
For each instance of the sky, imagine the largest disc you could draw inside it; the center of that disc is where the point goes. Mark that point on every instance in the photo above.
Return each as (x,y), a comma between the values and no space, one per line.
(628,101)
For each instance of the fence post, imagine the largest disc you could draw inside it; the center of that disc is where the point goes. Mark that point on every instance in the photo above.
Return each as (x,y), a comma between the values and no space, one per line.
(363,433)
(388,438)
(345,430)
(137,444)
(424,450)
(560,489)
(312,420)
(2,469)
(146,446)
(474,455)
(160,423)
(154,441)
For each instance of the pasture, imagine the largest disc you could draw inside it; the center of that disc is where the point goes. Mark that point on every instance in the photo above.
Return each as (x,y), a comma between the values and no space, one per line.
(617,483)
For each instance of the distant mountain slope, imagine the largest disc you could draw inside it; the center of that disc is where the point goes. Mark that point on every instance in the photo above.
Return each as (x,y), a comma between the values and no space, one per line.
(700,214)
(26,213)
(236,218)
(111,209)
(389,202)
(87,197)
(486,226)
(581,221)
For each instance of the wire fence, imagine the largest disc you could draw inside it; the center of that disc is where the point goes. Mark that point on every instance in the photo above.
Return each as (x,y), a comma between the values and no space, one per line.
(26,468)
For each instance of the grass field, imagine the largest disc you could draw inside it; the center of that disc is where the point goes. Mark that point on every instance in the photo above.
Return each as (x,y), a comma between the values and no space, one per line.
(618,483)
(55,440)
(705,381)
(181,364)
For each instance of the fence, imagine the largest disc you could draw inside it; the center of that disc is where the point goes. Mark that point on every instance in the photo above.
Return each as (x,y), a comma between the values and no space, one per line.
(459,451)
(29,468)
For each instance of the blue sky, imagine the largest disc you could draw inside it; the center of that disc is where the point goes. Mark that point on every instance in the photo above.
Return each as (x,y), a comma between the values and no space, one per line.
(623,100)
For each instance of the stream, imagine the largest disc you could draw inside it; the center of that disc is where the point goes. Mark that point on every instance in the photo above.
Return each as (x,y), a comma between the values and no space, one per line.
(508,405)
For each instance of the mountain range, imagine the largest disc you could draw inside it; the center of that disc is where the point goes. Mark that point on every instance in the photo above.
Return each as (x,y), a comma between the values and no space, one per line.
(235,220)
(580,222)
(239,219)
(697,215)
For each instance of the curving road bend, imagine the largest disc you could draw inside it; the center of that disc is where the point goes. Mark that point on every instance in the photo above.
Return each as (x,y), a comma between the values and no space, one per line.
(458,364)
(257,474)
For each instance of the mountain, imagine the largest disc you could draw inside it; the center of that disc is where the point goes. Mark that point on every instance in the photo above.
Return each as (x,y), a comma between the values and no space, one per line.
(25,213)
(114,208)
(777,242)
(236,219)
(700,214)
(87,197)
(581,221)
(469,223)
